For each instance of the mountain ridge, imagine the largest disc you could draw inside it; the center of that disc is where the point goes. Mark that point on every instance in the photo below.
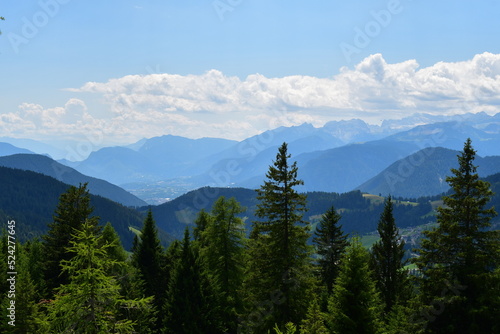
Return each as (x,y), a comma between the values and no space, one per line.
(45,165)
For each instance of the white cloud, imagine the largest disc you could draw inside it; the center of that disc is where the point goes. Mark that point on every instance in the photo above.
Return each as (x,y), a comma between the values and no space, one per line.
(213,104)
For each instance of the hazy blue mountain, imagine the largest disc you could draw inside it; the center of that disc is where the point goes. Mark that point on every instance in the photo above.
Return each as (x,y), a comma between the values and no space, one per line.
(174,156)
(451,135)
(355,130)
(35,146)
(117,165)
(343,168)
(302,138)
(45,165)
(137,145)
(423,173)
(150,160)
(9,149)
(164,167)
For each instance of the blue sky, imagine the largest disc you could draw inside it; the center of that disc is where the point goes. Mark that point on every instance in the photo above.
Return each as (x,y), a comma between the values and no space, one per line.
(117,65)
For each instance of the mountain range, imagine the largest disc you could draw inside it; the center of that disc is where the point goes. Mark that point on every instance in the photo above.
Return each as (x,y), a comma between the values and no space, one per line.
(338,157)
(424,173)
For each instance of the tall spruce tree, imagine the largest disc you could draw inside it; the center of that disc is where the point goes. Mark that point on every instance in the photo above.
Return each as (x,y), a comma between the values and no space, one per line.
(355,306)
(202,220)
(387,259)
(458,258)
(192,304)
(223,253)
(147,258)
(72,211)
(280,259)
(115,249)
(20,317)
(330,243)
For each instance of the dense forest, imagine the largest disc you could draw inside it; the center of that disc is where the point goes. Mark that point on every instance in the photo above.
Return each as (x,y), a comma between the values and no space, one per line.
(276,273)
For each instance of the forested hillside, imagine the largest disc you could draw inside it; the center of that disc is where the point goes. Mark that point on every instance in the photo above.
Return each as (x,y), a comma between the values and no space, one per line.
(47,166)
(275,260)
(31,198)
(359,212)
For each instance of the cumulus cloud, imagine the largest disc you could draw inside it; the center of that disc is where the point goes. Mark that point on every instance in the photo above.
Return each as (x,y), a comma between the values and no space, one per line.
(213,104)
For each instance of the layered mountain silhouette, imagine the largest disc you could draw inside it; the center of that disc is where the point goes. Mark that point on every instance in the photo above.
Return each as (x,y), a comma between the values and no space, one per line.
(337,157)
(47,166)
(424,173)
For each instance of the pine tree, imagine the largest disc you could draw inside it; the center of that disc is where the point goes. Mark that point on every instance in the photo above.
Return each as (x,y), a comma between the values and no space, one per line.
(330,246)
(72,211)
(387,259)
(147,257)
(280,259)
(355,306)
(35,250)
(22,293)
(202,220)
(26,303)
(90,302)
(191,305)
(458,258)
(115,249)
(314,323)
(224,238)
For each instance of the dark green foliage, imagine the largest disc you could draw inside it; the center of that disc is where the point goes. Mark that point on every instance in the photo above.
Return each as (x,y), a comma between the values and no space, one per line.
(72,211)
(387,260)
(30,198)
(280,259)
(354,305)
(22,293)
(201,223)
(192,305)
(359,214)
(222,250)
(330,246)
(26,302)
(459,257)
(147,256)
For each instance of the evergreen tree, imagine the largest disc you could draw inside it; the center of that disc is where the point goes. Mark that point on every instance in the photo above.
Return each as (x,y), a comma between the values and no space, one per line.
(314,323)
(114,249)
(72,211)
(330,246)
(202,220)
(34,249)
(26,303)
(147,257)
(280,259)
(90,302)
(191,305)
(224,238)
(22,293)
(355,306)
(289,328)
(458,258)
(387,259)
